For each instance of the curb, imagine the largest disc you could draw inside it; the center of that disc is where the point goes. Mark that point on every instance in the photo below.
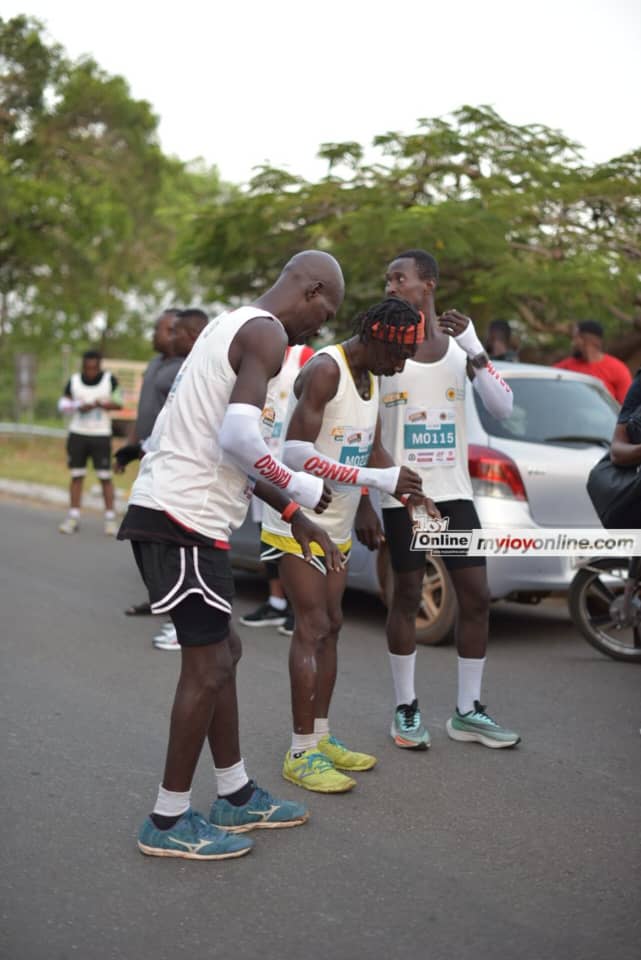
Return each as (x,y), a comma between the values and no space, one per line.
(57,496)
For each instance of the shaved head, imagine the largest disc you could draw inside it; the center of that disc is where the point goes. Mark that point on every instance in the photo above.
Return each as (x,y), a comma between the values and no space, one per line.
(315,265)
(307,295)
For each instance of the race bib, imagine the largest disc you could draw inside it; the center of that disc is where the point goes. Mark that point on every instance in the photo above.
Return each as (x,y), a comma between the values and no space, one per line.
(429,437)
(356,445)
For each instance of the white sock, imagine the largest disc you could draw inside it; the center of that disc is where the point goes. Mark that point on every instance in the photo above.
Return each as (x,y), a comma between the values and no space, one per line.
(302,742)
(110,514)
(230,779)
(321,728)
(278,603)
(470,678)
(403,667)
(170,804)
(74,512)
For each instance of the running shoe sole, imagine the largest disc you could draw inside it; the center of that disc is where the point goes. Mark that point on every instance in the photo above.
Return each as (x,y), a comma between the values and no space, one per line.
(464,736)
(188,855)
(408,744)
(301,783)
(264,825)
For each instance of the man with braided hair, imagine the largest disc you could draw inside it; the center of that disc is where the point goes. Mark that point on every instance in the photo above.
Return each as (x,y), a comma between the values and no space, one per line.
(333,431)
(430,393)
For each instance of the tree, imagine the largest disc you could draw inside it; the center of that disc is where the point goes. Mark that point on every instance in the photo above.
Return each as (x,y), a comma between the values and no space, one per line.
(523,229)
(82,174)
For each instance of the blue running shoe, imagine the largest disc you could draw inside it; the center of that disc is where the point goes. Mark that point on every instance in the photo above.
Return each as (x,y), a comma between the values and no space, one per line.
(192,838)
(478,726)
(261,812)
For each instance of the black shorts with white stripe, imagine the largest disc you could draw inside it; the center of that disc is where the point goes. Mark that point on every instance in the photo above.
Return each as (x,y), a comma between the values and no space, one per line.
(194,585)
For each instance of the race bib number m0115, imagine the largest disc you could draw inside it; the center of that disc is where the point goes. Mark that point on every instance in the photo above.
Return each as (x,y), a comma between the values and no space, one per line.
(429,437)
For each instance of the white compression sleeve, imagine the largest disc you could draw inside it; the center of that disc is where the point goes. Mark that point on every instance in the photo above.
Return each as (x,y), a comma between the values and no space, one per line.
(469,341)
(303,455)
(241,439)
(494,392)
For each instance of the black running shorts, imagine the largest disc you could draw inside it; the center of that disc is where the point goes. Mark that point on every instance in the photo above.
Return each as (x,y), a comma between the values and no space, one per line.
(81,448)
(398,534)
(194,585)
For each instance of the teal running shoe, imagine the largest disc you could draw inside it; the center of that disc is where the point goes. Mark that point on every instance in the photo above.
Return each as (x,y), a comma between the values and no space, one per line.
(192,838)
(261,812)
(478,726)
(407,730)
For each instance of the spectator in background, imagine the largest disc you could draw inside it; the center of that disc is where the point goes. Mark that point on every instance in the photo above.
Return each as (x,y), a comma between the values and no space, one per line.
(156,384)
(589,357)
(89,396)
(499,339)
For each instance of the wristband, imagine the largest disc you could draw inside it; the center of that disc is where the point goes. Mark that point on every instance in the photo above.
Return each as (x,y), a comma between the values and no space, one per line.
(289,511)
(364,491)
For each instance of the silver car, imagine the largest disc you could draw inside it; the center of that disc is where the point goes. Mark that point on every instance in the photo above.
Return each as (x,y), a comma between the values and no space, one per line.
(529,470)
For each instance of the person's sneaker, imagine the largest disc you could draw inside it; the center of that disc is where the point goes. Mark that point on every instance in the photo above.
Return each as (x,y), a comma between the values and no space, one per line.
(68,525)
(262,811)
(264,616)
(166,638)
(192,838)
(407,728)
(111,526)
(287,629)
(478,726)
(313,771)
(342,758)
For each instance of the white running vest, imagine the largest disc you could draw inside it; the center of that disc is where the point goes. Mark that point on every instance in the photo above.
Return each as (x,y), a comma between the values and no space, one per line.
(423,424)
(277,400)
(94,423)
(346,435)
(186,473)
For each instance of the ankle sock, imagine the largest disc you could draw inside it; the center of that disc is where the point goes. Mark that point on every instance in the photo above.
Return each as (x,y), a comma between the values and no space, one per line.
(321,728)
(278,603)
(169,808)
(242,796)
(470,678)
(230,779)
(302,742)
(403,668)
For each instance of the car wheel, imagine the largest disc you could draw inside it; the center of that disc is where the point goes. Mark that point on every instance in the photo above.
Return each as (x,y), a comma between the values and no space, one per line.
(437,615)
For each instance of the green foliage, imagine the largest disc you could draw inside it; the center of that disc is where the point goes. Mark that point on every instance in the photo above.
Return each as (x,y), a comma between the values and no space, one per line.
(99,229)
(523,229)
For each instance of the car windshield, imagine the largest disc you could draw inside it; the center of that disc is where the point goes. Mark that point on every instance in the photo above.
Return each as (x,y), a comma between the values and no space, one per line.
(548,410)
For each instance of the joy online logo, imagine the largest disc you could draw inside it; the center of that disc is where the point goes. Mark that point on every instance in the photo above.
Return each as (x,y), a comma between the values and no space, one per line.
(434,536)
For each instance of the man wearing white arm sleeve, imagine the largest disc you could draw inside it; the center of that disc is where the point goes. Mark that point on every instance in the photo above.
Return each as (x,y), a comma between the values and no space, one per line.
(189,496)
(302,455)
(240,437)
(423,424)
(333,430)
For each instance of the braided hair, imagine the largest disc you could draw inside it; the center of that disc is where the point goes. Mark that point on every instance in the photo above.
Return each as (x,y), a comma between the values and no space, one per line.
(392,321)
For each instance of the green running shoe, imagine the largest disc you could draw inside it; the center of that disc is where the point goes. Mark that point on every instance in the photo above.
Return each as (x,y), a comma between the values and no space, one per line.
(192,838)
(262,811)
(342,758)
(478,726)
(407,730)
(313,771)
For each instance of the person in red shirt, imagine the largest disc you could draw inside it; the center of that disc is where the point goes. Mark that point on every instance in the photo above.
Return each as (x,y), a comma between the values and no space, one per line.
(589,357)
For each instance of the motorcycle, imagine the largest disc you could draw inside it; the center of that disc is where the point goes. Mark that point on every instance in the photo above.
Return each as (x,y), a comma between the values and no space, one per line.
(605,605)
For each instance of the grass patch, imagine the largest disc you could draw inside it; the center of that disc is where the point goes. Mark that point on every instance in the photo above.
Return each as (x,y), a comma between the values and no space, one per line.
(44,460)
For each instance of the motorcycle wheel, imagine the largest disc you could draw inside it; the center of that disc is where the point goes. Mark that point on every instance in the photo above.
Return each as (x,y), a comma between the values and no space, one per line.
(595,598)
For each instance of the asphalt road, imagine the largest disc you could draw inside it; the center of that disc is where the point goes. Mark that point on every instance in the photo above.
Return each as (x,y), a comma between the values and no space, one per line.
(460,852)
